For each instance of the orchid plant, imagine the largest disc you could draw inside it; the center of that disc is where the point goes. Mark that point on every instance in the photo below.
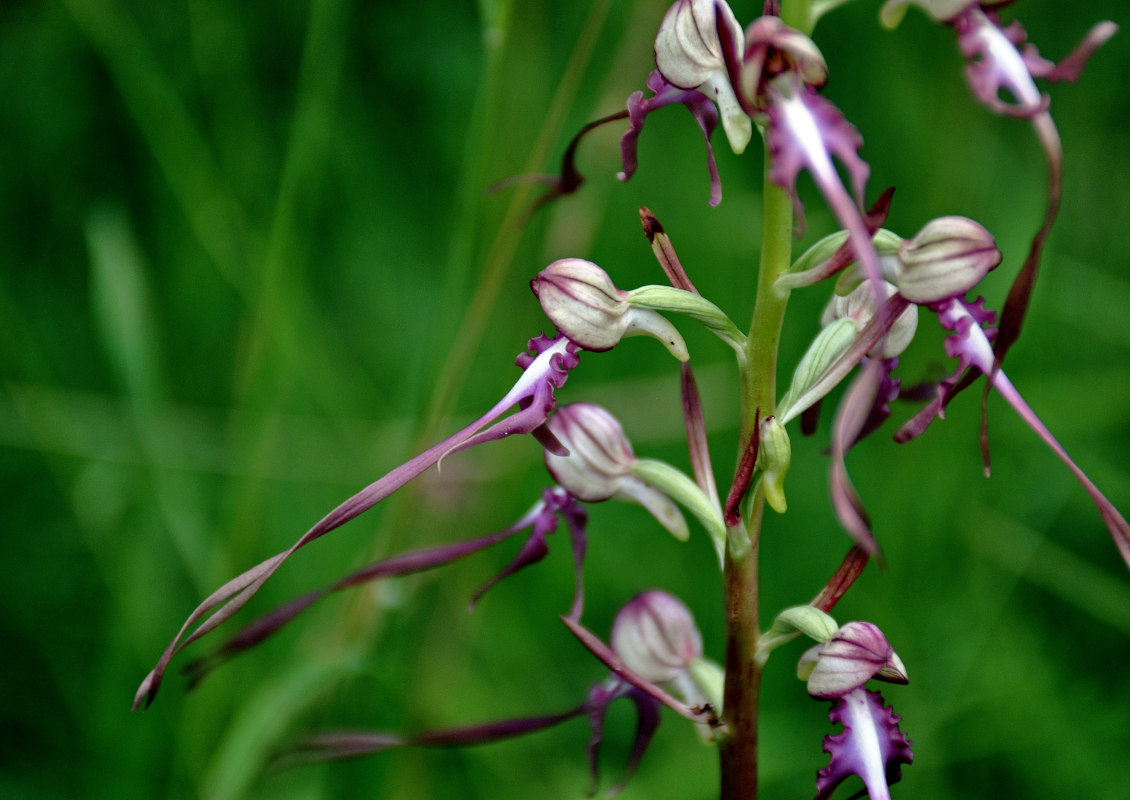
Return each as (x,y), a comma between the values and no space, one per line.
(763,83)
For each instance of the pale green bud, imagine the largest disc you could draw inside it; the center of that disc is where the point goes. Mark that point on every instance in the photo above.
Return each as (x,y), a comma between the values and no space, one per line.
(793,622)
(774,455)
(816,264)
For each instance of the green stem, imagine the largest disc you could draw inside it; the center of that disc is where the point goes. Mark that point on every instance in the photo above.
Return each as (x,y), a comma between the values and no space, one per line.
(738,753)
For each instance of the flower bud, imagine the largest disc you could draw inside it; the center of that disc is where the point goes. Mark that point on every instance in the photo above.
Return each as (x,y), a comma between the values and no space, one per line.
(585,305)
(859,306)
(773,456)
(856,653)
(947,258)
(600,464)
(656,637)
(791,623)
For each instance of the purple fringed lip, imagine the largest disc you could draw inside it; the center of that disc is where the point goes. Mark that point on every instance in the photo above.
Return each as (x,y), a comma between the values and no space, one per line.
(870,746)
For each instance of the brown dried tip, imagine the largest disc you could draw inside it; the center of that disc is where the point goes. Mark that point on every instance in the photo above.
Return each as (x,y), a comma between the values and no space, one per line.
(651,225)
(665,252)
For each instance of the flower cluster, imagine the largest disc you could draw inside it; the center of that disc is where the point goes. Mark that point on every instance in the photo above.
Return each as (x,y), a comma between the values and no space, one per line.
(767,78)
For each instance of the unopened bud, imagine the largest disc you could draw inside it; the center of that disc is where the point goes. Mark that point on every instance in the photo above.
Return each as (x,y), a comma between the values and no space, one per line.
(947,258)
(585,305)
(656,637)
(774,455)
(860,306)
(791,623)
(856,653)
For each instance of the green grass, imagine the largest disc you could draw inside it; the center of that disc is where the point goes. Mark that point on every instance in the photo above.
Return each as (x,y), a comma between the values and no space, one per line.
(251,264)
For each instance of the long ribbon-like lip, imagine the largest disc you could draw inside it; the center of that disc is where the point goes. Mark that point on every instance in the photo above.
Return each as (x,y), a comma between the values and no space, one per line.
(533,393)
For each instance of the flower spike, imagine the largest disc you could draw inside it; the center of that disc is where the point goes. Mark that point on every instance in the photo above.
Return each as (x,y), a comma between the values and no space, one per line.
(545,368)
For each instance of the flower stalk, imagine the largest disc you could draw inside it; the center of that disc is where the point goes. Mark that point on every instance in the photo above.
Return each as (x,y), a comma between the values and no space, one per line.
(738,753)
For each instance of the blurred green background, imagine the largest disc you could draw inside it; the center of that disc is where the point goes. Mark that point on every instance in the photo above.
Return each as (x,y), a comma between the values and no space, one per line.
(250,263)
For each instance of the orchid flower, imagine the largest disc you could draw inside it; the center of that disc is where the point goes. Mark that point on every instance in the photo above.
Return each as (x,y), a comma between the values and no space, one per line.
(655,646)
(599,466)
(699,46)
(1001,73)
(837,668)
(997,65)
(690,52)
(545,367)
(871,744)
(655,642)
(971,344)
(582,301)
(945,259)
(585,305)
